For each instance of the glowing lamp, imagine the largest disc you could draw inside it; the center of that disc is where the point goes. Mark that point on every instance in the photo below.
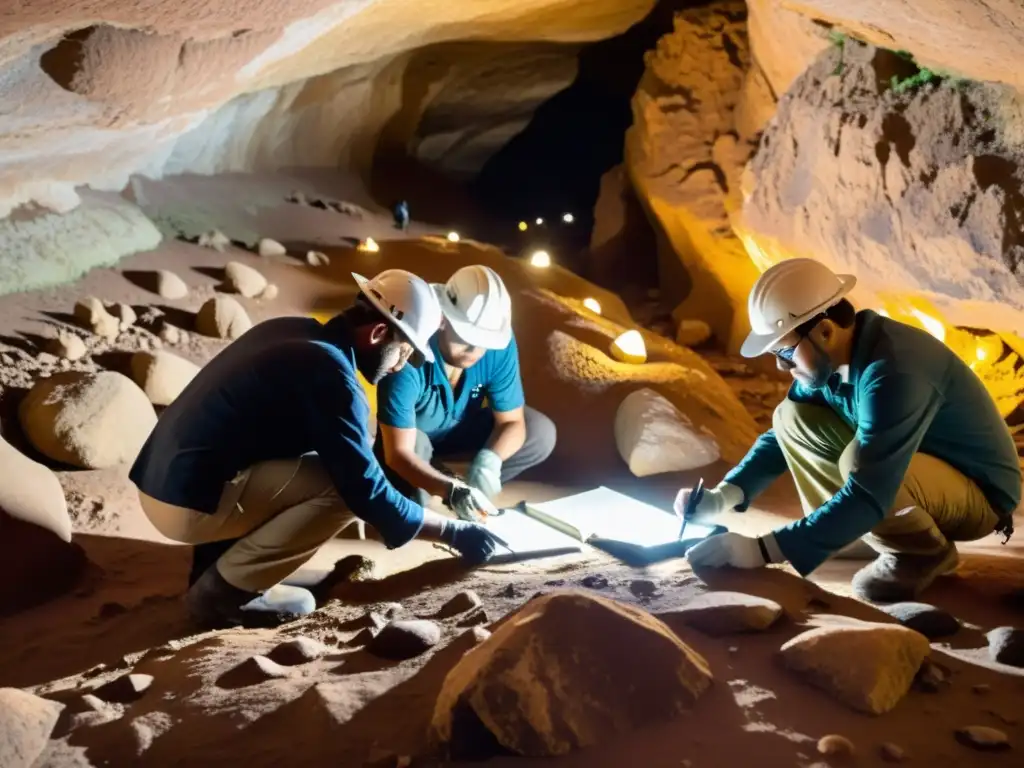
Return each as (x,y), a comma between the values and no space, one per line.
(369,245)
(539,221)
(540,259)
(523,226)
(630,348)
(453,237)
(592,305)
(568,218)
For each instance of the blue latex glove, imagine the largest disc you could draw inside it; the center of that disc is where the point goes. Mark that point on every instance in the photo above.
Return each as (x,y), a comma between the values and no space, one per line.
(473,541)
(485,473)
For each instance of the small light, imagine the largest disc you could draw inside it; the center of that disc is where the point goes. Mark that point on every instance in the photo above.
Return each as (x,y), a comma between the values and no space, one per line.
(369,245)
(630,348)
(453,237)
(568,218)
(523,226)
(540,259)
(539,221)
(592,305)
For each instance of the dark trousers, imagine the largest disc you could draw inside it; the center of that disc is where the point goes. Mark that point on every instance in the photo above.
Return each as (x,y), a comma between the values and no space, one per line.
(469,437)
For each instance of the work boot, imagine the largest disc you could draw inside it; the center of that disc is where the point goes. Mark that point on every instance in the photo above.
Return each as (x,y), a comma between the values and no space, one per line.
(214,604)
(894,578)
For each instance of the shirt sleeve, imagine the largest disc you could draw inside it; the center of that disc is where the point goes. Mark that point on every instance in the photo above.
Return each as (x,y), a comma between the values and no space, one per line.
(761,466)
(505,387)
(337,413)
(397,394)
(893,414)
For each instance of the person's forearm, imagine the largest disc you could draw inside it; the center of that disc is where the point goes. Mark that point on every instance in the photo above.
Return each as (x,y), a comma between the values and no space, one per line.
(507,439)
(420,474)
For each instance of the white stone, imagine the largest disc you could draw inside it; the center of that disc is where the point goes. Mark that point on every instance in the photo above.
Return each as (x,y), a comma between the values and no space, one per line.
(268,247)
(244,280)
(653,436)
(26,722)
(162,375)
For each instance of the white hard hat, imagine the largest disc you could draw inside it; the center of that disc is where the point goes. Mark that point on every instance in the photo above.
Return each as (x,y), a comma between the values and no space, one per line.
(408,303)
(477,306)
(788,294)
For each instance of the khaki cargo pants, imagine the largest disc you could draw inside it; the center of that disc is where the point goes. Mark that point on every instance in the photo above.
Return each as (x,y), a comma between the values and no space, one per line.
(935,505)
(280,511)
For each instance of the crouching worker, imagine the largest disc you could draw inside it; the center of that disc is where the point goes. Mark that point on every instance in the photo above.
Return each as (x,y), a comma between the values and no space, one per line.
(888,435)
(438,411)
(266,455)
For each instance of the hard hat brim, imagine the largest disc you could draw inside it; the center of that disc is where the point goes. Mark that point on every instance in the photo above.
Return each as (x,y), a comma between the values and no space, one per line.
(421,345)
(757,344)
(469,333)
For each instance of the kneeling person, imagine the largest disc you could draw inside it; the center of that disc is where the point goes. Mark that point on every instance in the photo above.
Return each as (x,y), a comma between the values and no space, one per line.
(267,455)
(438,410)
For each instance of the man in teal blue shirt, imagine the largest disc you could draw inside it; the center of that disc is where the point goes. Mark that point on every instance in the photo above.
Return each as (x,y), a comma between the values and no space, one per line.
(888,435)
(468,402)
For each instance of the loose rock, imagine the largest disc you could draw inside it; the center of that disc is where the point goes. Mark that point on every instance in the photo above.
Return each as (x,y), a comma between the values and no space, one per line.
(162,375)
(724,613)
(931,677)
(317,259)
(222,318)
(88,420)
(692,333)
(270,292)
(834,744)
(462,602)
(252,671)
(124,689)
(596,581)
(983,738)
(363,637)
(887,659)
(244,280)
(169,285)
(892,753)
(93,315)
(26,722)
(215,239)
(653,436)
(299,650)
(934,623)
(125,315)
(1006,646)
(474,619)
(169,334)
(553,678)
(67,346)
(404,639)
(643,588)
(981,688)
(268,247)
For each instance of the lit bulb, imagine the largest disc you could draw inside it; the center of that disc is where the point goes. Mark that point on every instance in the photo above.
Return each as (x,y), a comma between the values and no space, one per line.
(539,221)
(568,218)
(592,305)
(630,348)
(523,226)
(540,259)
(369,245)
(453,237)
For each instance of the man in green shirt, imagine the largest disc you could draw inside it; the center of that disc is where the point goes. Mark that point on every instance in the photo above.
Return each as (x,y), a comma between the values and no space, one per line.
(888,435)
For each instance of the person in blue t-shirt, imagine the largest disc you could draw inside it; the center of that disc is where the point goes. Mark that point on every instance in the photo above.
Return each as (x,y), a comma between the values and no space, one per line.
(468,402)
(266,454)
(888,436)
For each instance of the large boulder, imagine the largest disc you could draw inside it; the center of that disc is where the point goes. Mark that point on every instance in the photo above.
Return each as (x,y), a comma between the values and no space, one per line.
(653,436)
(37,559)
(87,420)
(26,722)
(867,666)
(162,375)
(564,672)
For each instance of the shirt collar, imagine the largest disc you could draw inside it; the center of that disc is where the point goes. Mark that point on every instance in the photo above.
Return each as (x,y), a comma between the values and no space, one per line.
(844,373)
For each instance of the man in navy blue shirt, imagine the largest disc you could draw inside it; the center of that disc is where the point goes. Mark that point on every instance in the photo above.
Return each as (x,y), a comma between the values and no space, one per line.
(266,455)
(439,410)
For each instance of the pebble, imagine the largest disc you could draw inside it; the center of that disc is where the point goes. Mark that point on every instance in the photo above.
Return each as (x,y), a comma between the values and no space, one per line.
(317,259)
(125,315)
(508,591)
(597,581)
(892,753)
(404,639)
(931,677)
(462,602)
(983,738)
(268,247)
(834,744)
(214,239)
(643,588)
(981,688)
(68,347)
(243,279)
(169,334)
(299,650)
(270,292)
(124,689)
(934,623)
(1006,646)
(169,285)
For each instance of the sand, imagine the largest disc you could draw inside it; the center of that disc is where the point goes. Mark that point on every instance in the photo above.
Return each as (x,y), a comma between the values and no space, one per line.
(211,703)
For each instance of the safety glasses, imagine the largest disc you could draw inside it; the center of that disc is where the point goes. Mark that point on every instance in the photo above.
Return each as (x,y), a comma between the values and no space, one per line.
(785,354)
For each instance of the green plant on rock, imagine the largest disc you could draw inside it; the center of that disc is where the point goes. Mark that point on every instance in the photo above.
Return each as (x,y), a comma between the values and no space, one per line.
(838,39)
(921,77)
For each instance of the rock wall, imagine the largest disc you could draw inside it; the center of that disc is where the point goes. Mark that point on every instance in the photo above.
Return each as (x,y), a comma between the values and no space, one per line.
(92,92)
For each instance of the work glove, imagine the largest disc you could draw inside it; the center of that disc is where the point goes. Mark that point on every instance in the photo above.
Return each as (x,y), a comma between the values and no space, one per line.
(727,549)
(485,473)
(472,541)
(469,503)
(724,497)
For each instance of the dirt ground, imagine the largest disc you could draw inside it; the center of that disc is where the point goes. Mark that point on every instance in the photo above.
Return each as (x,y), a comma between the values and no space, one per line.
(350,708)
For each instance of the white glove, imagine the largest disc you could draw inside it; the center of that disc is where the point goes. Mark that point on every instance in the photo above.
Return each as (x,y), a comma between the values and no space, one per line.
(724,497)
(727,549)
(469,503)
(485,472)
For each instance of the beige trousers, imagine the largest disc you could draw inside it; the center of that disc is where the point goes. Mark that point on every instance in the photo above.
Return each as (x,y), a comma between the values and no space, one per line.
(281,511)
(935,504)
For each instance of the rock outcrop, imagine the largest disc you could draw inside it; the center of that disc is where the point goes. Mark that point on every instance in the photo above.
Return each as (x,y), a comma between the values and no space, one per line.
(908,179)
(26,722)
(564,672)
(653,436)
